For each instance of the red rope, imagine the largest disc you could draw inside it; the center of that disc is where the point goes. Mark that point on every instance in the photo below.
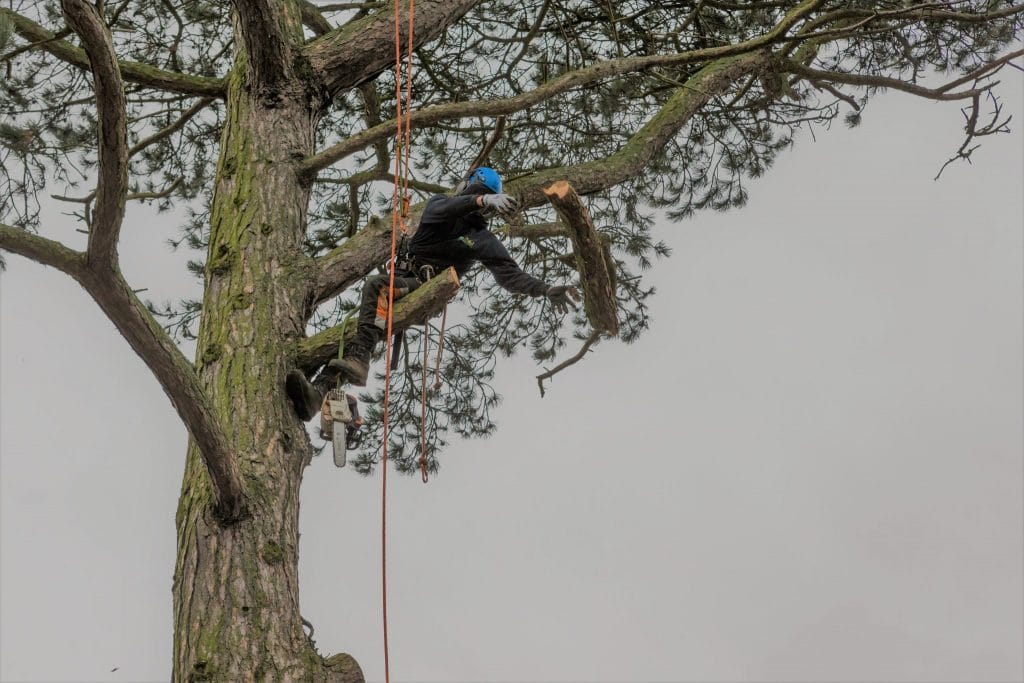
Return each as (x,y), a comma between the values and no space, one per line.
(440,350)
(399,212)
(423,406)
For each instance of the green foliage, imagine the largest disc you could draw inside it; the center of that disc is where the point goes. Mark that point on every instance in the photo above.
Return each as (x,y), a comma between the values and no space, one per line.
(502,49)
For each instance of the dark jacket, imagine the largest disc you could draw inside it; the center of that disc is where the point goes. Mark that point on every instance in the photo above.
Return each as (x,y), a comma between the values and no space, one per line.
(453,232)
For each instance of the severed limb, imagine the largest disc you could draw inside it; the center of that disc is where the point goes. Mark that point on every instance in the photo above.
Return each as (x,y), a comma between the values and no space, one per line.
(593,262)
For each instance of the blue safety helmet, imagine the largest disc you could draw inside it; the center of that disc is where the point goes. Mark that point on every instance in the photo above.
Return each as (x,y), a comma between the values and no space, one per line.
(487,177)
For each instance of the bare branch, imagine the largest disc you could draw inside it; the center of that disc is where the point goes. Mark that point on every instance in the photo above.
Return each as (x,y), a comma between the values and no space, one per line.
(42,250)
(158,194)
(485,153)
(112,188)
(135,72)
(995,125)
(175,374)
(871,81)
(591,340)
(173,128)
(313,19)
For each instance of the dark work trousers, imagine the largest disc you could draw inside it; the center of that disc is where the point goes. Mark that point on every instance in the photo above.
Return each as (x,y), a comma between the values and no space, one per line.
(372,323)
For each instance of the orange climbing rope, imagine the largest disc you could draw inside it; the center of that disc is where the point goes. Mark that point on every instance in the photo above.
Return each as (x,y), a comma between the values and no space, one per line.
(399,214)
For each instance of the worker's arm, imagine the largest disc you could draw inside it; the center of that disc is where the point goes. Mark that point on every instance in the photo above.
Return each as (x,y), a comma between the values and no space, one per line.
(443,210)
(507,273)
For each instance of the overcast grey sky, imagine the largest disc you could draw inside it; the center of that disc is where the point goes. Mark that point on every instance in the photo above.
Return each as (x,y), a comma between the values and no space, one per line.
(809,470)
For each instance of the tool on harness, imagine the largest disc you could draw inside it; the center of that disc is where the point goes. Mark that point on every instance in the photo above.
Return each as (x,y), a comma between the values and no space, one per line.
(340,421)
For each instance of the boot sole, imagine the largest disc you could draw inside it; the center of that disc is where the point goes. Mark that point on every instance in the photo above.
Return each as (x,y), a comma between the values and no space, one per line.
(347,374)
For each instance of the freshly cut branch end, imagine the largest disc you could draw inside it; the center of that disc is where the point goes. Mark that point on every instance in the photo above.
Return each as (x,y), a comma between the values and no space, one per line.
(593,258)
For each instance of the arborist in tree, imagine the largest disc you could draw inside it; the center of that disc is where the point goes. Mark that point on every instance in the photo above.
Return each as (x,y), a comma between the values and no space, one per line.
(452,233)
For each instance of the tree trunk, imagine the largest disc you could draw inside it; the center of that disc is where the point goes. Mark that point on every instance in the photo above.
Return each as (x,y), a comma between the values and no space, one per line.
(236,591)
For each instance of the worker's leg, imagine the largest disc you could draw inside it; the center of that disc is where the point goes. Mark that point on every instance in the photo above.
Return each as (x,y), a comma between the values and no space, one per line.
(371,326)
(307,396)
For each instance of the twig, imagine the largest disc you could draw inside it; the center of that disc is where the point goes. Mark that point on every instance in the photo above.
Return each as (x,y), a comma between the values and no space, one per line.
(159,194)
(973,131)
(591,340)
(177,125)
(481,158)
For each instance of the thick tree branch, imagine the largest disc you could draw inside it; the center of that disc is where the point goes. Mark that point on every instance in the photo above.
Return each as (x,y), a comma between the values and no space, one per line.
(534,231)
(135,72)
(178,379)
(600,174)
(42,250)
(148,339)
(413,309)
(338,269)
(568,81)
(360,50)
(112,188)
(313,19)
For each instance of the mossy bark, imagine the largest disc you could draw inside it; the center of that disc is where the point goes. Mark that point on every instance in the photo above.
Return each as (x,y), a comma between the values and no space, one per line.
(236,590)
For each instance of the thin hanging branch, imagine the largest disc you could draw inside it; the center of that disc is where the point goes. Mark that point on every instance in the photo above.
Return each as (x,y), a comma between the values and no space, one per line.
(591,340)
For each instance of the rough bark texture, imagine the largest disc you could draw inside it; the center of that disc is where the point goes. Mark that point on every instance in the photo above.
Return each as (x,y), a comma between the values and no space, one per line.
(353,53)
(236,591)
(593,261)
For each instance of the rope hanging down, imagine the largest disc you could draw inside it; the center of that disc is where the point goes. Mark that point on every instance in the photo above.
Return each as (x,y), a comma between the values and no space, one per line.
(399,214)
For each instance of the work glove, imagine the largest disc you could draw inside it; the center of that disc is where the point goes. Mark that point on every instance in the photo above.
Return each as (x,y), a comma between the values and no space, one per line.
(563,298)
(498,203)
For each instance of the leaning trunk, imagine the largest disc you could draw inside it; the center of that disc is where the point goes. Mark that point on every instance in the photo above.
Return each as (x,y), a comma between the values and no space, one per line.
(236,590)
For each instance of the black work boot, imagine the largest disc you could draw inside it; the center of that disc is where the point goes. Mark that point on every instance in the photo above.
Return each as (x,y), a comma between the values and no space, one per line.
(304,396)
(354,367)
